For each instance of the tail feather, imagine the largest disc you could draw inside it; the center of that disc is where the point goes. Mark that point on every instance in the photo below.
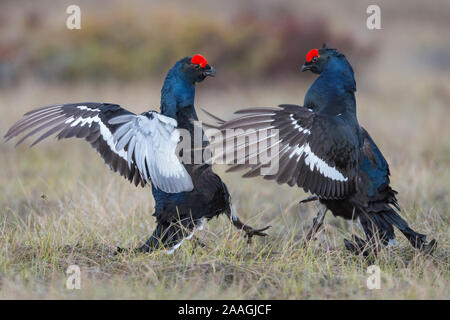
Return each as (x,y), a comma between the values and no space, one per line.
(384,222)
(416,239)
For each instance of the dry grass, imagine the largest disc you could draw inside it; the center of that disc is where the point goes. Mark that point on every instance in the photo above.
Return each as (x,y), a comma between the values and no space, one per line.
(60,206)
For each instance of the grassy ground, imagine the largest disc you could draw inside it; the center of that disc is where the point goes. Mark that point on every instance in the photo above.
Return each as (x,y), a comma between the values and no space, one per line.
(59,205)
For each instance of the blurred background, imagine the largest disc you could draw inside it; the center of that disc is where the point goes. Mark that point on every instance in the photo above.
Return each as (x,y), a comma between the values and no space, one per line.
(124,49)
(247,41)
(61,193)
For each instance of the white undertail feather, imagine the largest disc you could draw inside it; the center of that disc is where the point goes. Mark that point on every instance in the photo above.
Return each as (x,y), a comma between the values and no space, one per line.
(233,213)
(392,243)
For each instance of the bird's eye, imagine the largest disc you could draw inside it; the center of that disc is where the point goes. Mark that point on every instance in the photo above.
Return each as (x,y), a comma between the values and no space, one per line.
(315,59)
(196,66)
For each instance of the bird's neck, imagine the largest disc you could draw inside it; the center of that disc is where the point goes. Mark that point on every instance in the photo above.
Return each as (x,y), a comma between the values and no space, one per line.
(177,97)
(333,92)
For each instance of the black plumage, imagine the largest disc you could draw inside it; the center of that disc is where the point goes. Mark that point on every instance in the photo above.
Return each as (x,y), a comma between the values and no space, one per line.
(323,149)
(142,148)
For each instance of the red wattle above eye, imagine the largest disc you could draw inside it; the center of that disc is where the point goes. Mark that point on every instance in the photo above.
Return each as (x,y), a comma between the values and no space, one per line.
(311,54)
(200,60)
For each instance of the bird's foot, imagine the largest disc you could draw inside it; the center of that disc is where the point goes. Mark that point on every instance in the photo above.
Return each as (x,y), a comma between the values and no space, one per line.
(359,247)
(250,232)
(429,247)
(119,250)
(197,242)
(141,249)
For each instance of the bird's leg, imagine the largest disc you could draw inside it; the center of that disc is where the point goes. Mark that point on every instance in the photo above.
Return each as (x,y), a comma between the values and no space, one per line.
(249,231)
(317,223)
(419,240)
(153,243)
(169,235)
(149,246)
(195,239)
(358,246)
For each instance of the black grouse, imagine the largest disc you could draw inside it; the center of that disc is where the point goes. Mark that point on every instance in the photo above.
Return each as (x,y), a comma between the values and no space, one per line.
(322,148)
(142,148)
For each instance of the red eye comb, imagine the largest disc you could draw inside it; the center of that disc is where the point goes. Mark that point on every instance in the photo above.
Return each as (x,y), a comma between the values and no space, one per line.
(311,54)
(200,60)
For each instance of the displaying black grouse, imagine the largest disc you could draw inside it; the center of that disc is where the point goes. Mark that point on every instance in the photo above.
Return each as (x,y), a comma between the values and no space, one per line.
(322,148)
(142,148)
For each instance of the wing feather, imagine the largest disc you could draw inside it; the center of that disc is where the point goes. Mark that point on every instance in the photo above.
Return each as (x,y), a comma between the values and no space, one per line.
(151,139)
(313,150)
(140,147)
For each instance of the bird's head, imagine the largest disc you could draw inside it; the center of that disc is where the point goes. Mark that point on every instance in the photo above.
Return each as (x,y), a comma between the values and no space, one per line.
(195,68)
(178,91)
(318,60)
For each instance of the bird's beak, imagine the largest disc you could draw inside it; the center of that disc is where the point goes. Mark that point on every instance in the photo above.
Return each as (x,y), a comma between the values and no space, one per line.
(305,67)
(211,72)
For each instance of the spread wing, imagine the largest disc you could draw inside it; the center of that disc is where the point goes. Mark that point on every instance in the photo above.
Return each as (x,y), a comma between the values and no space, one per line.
(317,152)
(153,153)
